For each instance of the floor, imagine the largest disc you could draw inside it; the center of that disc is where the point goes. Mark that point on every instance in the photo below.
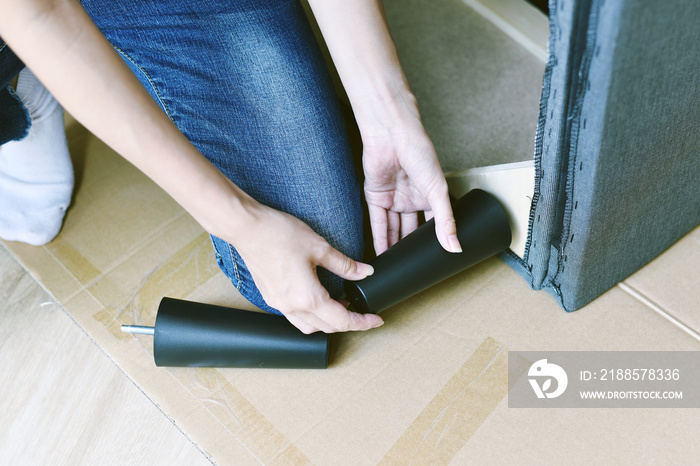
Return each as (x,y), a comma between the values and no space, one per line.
(64,400)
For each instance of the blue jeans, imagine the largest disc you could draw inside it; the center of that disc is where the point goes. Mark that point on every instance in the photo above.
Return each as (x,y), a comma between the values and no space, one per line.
(14,117)
(245,82)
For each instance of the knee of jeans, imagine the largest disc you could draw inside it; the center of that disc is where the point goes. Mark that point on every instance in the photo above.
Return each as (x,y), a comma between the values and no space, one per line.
(350,241)
(234,268)
(226,261)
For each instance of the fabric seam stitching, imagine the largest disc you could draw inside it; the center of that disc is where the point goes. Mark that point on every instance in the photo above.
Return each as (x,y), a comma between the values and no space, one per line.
(150,81)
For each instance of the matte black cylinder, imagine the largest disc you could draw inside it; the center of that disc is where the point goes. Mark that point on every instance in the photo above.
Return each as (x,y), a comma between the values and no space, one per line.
(418,261)
(189,334)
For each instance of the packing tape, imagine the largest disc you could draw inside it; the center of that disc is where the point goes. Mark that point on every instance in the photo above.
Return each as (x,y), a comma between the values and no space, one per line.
(238,416)
(450,419)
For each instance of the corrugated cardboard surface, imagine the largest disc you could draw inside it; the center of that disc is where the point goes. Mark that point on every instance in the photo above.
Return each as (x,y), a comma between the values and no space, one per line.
(429,387)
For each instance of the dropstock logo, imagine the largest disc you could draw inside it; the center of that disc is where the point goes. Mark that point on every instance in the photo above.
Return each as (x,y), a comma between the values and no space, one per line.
(603,379)
(546,372)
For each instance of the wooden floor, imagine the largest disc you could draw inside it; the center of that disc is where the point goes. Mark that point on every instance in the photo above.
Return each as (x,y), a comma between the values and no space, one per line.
(63,400)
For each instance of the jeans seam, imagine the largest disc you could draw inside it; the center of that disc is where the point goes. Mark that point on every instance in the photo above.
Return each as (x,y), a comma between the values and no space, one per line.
(235,268)
(150,81)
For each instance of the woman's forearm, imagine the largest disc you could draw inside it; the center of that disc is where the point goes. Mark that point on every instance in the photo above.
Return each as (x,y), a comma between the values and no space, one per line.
(66,51)
(402,172)
(364,54)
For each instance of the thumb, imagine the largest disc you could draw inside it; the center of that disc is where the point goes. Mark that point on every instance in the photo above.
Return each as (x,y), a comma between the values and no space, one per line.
(338,263)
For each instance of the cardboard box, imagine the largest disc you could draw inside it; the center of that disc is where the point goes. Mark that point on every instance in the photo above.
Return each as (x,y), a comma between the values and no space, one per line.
(429,387)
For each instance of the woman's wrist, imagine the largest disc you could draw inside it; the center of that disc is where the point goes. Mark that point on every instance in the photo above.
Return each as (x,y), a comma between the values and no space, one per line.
(394,118)
(224,210)
(358,38)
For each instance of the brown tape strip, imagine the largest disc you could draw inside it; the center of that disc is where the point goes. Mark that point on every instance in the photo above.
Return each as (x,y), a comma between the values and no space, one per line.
(181,274)
(77,264)
(457,411)
(240,417)
(190,267)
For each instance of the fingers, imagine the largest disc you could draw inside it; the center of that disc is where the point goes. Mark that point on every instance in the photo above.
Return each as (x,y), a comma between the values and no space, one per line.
(314,310)
(409,222)
(338,263)
(394,227)
(445,225)
(330,316)
(334,319)
(379,225)
(301,324)
(389,227)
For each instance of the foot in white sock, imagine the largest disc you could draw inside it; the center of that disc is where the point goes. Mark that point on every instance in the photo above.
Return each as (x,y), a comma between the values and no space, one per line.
(36,173)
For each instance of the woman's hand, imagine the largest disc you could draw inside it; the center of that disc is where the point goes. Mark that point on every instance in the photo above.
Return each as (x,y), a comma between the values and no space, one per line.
(403,177)
(282,254)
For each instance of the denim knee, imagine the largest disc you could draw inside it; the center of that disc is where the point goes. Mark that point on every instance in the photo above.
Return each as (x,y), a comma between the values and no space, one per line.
(246,83)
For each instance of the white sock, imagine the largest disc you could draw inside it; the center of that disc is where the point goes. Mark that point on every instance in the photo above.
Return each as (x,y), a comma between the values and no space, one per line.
(36,173)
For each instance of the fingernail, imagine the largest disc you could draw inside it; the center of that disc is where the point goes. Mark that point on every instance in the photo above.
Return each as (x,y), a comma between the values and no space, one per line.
(454,244)
(369,270)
